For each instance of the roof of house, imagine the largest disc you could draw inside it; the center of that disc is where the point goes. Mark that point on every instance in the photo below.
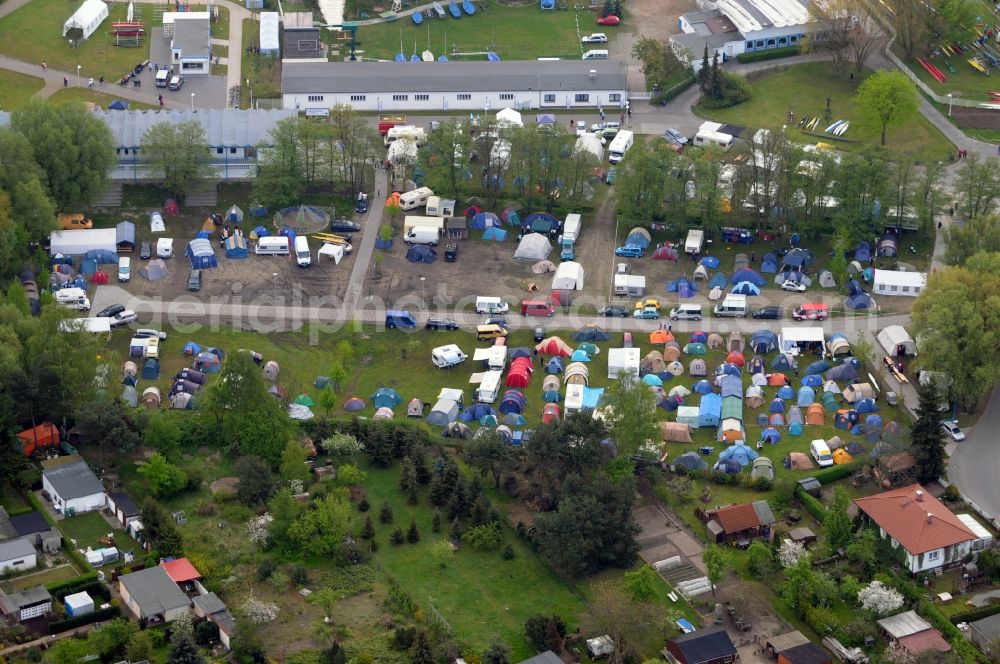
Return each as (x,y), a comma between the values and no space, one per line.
(223,128)
(180,570)
(192,36)
(915,519)
(224,619)
(30,523)
(989,627)
(547,657)
(903,624)
(783,642)
(124,503)
(209,603)
(153,591)
(456,76)
(807,653)
(16,601)
(737,518)
(704,645)
(929,639)
(7,530)
(16,548)
(73,480)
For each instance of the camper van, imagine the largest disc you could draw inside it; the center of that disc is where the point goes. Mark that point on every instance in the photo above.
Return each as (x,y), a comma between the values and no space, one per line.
(447,356)
(162,77)
(571,227)
(399,318)
(124,269)
(490,331)
(811,311)
(302,254)
(73,298)
(620,145)
(272,246)
(440,207)
(821,453)
(705,138)
(423,235)
(489,388)
(596,54)
(411,200)
(686,312)
(537,308)
(409,132)
(165,247)
(732,306)
(491,305)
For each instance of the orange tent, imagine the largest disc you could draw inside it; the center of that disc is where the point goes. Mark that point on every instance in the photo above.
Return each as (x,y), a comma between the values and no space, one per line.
(660,337)
(815,415)
(43,435)
(732,435)
(393,199)
(776,379)
(736,358)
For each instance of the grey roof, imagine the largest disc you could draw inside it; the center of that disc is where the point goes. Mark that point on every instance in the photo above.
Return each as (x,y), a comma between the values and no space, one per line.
(764,512)
(74,480)
(7,529)
(547,657)
(17,548)
(457,76)
(301,43)
(903,624)
(30,597)
(125,232)
(988,627)
(192,36)
(705,645)
(224,619)
(209,603)
(223,128)
(124,504)
(153,591)
(695,43)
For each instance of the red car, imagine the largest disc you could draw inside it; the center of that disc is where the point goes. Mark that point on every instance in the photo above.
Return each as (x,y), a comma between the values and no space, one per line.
(610,19)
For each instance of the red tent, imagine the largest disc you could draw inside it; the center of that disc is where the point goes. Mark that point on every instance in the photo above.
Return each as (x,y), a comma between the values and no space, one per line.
(43,435)
(170,207)
(520,372)
(554,346)
(776,379)
(550,413)
(665,253)
(99,277)
(736,358)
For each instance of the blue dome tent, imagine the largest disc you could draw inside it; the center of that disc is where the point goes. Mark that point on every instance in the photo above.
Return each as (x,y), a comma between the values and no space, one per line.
(777,406)
(795,429)
(797,258)
(702,387)
(771,435)
(495,234)
(812,380)
(741,454)
(860,301)
(763,341)
(512,402)
(728,466)
(718,280)
(746,288)
(783,362)
(386,397)
(554,366)
(817,367)
(854,288)
(785,392)
(711,262)
(483,220)
(845,371)
(769,263)
(806,396)
(420,253)
(199,252)
(699,337)
(746,274)
(863,252)
(866,406)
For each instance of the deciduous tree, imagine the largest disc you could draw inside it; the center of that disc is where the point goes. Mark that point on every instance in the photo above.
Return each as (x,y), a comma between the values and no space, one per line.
(179,154)
(886,99)
(164,478)
(716,561)
(490,453)
(837,523)
(256,481)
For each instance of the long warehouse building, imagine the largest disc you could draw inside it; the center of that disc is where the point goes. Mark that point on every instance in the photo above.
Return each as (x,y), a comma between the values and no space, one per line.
(458,85)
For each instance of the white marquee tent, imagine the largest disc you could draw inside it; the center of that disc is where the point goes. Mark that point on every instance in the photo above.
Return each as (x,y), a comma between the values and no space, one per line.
(269,44)
(88,17)
(80,241)
(568,276)
(334,250)
(508,117)
(533,247)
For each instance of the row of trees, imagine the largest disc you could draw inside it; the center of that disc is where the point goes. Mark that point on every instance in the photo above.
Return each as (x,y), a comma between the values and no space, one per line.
(940,21)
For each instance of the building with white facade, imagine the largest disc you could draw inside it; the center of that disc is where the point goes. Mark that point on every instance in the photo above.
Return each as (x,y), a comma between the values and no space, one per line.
(191,44)
(894,282)
(71,485)
(460,85)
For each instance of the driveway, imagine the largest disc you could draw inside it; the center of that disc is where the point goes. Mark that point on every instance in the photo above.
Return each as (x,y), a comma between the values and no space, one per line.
(975,466)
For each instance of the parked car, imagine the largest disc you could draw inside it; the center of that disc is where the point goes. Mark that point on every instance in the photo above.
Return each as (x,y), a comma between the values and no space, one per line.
(194,280)
(629,251)
(362,205)
(737,235)
(793,286)
(176,83)
(123,318)
(110,312)
(611,175)
(441,324)
(595,38)
(148,333)
(950,427)
(601,126)
(610,19)
(344,226)
(581,127)
(145,251)
(613,312)
(648,302)
(647,312)
(606,133)
(539,333)
(675,136)
(767,313)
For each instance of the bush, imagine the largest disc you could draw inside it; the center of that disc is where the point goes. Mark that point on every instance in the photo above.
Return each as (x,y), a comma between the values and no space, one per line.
(770,54)
(86,619)
(733,90)
(976,614)
(663,97)
(762,484)
(265,568)
(60,589)
(835,473)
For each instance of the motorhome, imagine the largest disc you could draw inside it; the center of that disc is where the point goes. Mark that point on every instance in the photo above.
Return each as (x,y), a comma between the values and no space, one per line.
(620,145)
(73,298)
(493,357)
(596,54)
(303,256)
(411,200)
(821,453)
(440,207)
(408,132)
(447,356)
(165,247)
(124,269)
(705,138)
(272,246)
(571,227)
(489,388)
(694,242)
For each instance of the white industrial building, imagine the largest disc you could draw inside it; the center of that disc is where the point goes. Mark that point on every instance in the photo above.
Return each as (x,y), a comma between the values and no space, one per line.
(894,282)
(731,27)
(71,485)
(460,85)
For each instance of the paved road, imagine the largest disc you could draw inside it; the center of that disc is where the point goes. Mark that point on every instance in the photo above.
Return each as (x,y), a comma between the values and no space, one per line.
(365,249)
(974,466)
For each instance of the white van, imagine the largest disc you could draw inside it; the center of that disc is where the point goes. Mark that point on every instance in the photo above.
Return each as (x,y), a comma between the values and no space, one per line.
(162,77)
(302,254)
(620,145)
(705,138)
(414,199)
(732,306)
(447,356)
(686,312)
(491,305)
(596,54)
(73,298)
(489,388)
(272,246)
(821,453)
(124,269)
(423,235)
(165,247)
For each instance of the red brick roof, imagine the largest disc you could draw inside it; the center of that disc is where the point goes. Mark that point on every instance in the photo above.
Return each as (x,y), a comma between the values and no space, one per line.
(180,570)
(736,518)
(929,639)
(904,518)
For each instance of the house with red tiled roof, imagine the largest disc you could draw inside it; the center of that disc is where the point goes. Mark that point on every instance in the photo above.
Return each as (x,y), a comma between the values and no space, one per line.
(929,533)
(731,523)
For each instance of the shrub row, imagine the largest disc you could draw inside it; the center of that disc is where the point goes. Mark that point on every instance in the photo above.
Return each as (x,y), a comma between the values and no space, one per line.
(35,503)
(60,589)
(661,98)
(975,614)
(834,473)
(770,54)
(963,648)
(813,506)
(86,619)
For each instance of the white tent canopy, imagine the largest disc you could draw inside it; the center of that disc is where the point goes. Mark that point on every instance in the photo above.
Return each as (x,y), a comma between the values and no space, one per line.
(508,117)
(334,250)
(80,241)
(533,247)
(590,143)
(87,18)
(895,338)
(791,336)
(269,32)
(623,360)
(569,276)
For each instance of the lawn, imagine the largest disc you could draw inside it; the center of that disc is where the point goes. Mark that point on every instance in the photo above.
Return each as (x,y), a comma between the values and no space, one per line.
(16,89)
(514,33)
(39,578)
(87,529)
(263,73)
(102,99)
(804,89)
(33,33)
(12,500)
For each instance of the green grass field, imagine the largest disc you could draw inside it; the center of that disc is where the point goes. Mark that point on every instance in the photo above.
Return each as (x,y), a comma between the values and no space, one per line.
(16,89)
(804,89)
(39,578)
(514,33)
(102,99)
(87,529)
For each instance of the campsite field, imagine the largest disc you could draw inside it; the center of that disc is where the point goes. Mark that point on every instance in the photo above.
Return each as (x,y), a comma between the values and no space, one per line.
(16,89)
(514,33)
(803,89)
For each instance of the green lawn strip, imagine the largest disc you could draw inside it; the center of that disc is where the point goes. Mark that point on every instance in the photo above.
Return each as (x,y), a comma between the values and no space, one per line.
(804,89)
(16,89)
(481,595)
(39,578)
(102,99)
(12,500)
(517,33)
(263,73)
(87,529)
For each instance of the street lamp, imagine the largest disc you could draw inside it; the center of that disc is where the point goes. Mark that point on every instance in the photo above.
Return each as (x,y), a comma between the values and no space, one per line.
(949,104)
(274,276)
(78,75)
(192,101)
(423,293)
(250,89)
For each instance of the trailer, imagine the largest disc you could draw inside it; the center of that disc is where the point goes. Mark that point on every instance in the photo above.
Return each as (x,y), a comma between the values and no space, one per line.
(695,240)
(387,122)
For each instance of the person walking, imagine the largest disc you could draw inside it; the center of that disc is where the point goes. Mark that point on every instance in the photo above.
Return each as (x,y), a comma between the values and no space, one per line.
(90,83)
(45,65)
(161,101)
(65,81)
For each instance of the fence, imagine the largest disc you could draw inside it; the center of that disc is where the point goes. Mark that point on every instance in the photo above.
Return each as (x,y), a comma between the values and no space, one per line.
(233,170)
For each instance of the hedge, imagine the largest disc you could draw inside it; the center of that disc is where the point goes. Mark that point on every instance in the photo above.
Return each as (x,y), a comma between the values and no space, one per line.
(769,54)
(813,506)
(835,473)
(661,98)
(85,619)
(963,648)
(975,614)
(70,586)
